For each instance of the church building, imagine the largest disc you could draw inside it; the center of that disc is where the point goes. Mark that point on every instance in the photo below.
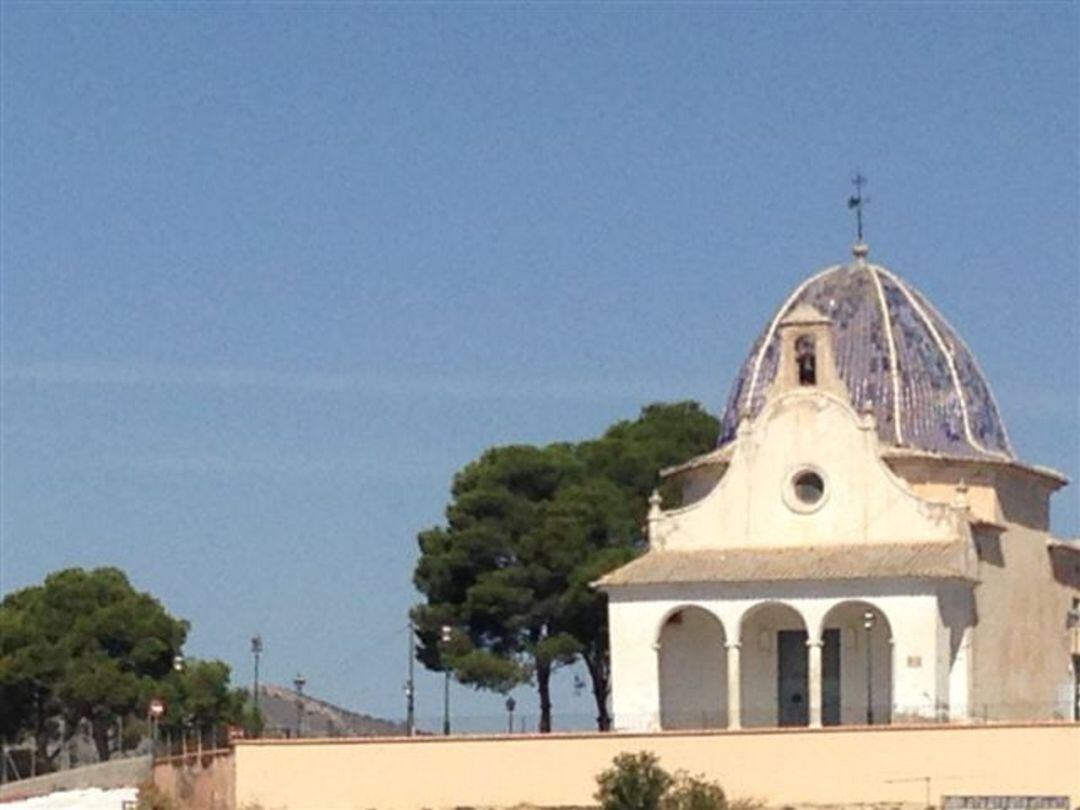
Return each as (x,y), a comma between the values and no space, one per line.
(862,547)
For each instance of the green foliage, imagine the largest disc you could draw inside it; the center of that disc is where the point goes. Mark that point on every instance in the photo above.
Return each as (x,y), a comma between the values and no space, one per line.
(151,797)
(527,531)
(85,645)
(633,782)
(638,782)
(251,719)
(694,793)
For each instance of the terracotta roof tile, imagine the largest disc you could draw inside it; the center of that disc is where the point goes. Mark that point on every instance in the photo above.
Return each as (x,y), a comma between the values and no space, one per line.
(947,560)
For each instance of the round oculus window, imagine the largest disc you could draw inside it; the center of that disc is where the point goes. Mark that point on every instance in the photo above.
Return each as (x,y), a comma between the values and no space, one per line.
(809,487)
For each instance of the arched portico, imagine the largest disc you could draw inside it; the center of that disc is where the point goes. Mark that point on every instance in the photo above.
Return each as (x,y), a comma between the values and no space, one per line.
(774,678)
(856,665)
(693,670)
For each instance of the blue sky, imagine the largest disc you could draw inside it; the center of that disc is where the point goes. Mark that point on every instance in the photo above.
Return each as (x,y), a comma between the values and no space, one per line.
(272,273)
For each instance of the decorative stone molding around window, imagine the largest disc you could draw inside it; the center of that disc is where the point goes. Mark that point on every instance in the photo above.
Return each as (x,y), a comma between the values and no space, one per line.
(806,489)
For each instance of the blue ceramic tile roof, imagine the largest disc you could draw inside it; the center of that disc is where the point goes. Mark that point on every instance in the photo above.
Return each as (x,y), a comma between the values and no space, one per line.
(937,399)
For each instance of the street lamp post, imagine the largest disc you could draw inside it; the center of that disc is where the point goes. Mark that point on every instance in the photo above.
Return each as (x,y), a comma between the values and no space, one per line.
(868,626)
(256,651)
(447,635)
(410,685)
(154,713)
(299,682)
(410,708)
(178,665)
(511,704)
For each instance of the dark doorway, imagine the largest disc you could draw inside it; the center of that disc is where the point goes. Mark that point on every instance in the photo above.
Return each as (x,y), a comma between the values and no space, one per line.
(792,703)
(830,677)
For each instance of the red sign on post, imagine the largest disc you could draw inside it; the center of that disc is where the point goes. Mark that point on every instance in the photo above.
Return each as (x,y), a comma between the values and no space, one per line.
(157,707)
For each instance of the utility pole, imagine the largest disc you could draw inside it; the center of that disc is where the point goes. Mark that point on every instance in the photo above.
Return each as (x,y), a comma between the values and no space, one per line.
(256,650)
(410,685)
(868,625)
(299,681)
(446,637)
(511,704)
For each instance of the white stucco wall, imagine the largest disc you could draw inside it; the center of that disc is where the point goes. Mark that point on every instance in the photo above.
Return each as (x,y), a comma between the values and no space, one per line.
(911,608)
(692,658)
(752,504)
(848,618)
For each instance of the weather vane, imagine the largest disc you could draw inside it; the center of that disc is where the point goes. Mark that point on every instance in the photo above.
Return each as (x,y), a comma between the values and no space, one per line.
(858,201)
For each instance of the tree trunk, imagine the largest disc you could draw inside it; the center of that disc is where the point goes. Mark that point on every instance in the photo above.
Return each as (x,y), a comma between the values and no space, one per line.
(598,673)
(100,732)
(543,685)
(41,735)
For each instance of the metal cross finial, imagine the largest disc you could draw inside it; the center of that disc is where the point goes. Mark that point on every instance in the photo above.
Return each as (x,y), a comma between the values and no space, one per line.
(858,201)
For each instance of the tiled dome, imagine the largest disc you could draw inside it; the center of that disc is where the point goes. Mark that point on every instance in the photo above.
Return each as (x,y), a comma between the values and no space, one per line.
(897,356)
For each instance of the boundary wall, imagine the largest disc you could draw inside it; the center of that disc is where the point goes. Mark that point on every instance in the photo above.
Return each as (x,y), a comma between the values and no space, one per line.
(834,766)
(116,773)
(198,781)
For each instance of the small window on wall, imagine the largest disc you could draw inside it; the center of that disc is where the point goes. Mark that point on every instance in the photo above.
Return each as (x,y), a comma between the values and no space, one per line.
(806,489)
(809,487)
(806,360)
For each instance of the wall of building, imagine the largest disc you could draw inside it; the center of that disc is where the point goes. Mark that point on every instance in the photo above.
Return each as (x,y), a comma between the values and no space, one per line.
(752,505)
(693,671)
(854,695)
(829,766)
(995,492)
(1012,655)
(920,679)
(758,659)
(1020,656)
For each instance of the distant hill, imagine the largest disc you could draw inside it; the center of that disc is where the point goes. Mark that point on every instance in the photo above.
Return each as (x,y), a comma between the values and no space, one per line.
(321,719)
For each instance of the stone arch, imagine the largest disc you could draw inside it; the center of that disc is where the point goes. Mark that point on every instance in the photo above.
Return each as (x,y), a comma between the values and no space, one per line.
(693,669)
(774,676)
(857,664)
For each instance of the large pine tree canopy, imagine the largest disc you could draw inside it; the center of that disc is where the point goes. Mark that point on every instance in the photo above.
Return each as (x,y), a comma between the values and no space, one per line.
(86,646)
(527,530)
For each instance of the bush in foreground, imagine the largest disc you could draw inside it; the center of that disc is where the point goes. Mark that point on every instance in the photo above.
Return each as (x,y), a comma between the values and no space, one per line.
(633,782)
(694,793)
(638,782)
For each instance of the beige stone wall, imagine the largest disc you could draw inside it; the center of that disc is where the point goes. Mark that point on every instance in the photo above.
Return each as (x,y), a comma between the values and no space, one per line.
(1020,662)
(116,773)
(995,492)
(198,782)
(1020,655)
(832,766)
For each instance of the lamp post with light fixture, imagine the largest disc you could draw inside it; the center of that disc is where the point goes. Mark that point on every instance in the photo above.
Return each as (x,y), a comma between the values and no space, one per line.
(256,651)
(299,682)
(446,636)
(511,704)
(410,684)
(868,626)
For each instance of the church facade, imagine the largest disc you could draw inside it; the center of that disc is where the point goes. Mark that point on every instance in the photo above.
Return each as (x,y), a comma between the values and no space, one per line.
(862,547)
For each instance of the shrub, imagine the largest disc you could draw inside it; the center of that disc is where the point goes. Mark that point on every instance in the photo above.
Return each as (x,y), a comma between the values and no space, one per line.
(694,793)
(746,803)
(152,798)
(633,782)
